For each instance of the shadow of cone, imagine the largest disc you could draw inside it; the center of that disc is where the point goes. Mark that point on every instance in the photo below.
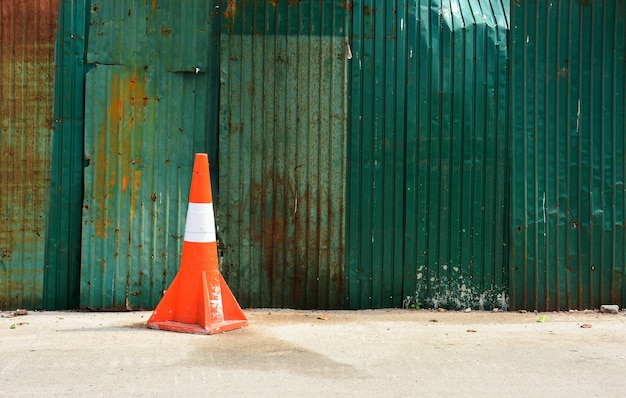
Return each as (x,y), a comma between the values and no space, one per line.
(199,300)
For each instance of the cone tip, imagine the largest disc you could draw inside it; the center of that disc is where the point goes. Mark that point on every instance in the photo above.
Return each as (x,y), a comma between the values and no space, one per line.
(201,162)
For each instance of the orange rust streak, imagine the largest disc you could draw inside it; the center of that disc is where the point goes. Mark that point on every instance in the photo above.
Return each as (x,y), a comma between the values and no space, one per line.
(119,144)
(116,115)
(133,199)
(231,9)
(137,175)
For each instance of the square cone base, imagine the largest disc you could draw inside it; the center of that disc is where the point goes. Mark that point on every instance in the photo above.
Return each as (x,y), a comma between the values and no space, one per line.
(214,328)
(164,317)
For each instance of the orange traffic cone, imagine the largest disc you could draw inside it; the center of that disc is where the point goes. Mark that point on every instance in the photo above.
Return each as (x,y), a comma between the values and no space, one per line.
(199,300)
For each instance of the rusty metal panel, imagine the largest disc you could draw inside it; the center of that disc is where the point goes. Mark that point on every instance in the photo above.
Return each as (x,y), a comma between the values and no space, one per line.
(428,154)
(283,130)
(568,201)
(26,100)
(151,103)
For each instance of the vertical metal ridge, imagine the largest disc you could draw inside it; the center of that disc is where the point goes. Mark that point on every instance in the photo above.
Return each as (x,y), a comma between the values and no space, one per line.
(618,253)
(622,245)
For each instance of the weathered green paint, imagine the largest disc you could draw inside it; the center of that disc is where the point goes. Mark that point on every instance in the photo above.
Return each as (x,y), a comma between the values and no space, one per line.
(62,263)
(283,103)
(448,175)
(428,154)
(151,103)
(568,201)
(26,98)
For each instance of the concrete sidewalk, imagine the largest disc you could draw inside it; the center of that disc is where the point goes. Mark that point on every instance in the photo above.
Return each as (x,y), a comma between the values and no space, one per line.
(382,353)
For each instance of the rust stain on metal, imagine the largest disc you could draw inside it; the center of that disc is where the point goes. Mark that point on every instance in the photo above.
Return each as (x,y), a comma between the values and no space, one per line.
(27,94)
(165,31)
(231,10)
(18,33)
(133,198)
(6,255)
(117,135)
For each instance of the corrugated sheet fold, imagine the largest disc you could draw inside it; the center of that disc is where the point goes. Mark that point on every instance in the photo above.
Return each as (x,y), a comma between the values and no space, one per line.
(63,244)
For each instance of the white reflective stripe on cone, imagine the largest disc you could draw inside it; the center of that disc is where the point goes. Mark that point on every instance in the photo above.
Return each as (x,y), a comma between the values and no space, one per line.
(200,225)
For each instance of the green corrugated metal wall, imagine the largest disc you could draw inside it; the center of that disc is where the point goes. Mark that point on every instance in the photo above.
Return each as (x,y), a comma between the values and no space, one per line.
(428,154)
(62,261)
(568,165)
(26,101)
(150,103)
(283,134)
(406,160)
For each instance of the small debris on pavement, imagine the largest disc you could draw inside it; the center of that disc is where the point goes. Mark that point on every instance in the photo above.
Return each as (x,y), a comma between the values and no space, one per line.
(522,311)
(542,318)
(18,312)
(323,318)
(441,310)
(471,331)
(433,320)
(586,326)
(467,310)
(610,309)
(12,326)
(496,309)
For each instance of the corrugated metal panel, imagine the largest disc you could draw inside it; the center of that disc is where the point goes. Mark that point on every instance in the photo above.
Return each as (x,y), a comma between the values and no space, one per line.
(568,197)
(149,107)
(428,154)
(283,133)
(62,268)
(26,93)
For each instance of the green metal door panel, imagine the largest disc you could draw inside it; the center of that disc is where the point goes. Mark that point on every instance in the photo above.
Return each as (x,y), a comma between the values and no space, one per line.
(145,117)
(173,35)
(27,94)
(282,148)
(568,198)
(62,264)
(428,154)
